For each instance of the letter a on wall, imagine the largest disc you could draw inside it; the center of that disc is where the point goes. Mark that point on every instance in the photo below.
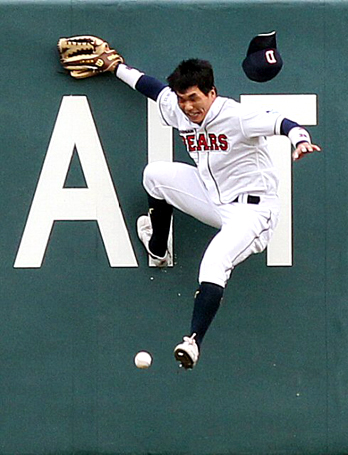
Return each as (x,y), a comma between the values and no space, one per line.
(75,130)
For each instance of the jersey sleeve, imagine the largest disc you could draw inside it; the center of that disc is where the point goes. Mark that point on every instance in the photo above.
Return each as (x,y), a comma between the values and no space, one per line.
(146,85)
(154,89)
(149,86)
(260,123)
(167,103)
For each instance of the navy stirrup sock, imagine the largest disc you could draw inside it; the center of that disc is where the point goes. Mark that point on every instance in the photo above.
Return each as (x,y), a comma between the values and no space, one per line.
(161,215)
(207,302)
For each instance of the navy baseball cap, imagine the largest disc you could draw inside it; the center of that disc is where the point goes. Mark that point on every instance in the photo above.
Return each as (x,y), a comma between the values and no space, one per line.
(263,61)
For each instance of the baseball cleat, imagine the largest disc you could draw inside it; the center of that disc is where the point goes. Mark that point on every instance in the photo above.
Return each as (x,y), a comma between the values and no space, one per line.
(187,353)
(144,229)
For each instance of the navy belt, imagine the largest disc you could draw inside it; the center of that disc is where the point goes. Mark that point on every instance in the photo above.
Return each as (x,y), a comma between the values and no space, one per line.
(250,199)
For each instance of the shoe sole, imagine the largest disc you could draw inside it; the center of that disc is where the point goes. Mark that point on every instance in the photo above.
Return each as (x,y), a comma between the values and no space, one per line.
(185,360)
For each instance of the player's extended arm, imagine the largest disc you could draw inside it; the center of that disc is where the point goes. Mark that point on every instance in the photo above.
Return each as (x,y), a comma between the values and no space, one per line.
(87,56)
(300,139)
(147,85)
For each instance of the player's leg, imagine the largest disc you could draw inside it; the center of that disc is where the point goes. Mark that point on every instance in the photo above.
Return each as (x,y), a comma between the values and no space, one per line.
(245,231)
(206,304)
(161,215)
(180,186)
(172,185)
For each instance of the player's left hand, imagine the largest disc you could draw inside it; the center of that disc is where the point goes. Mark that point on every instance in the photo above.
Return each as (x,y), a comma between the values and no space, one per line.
(303,149)
(86,56)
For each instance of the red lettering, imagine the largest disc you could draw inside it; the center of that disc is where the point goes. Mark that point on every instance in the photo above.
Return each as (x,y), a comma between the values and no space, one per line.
(223,141)
(213,142)
(202,142)
(190,143)
(219,142)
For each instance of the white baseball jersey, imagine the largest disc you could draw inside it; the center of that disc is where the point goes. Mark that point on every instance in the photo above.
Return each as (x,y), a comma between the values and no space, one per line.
(229,147)
(232,161)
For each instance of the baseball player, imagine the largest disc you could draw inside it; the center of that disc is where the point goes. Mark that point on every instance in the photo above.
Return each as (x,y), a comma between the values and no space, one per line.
(231,185)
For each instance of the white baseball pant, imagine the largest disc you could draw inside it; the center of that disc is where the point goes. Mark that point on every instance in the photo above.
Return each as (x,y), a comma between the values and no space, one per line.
(244,228)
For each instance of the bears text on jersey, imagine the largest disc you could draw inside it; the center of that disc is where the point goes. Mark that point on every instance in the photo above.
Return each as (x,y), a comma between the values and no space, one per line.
(204,142)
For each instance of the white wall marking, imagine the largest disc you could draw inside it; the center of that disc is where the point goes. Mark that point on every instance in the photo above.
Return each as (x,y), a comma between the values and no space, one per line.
(160,148)
(303,110)
(75,128)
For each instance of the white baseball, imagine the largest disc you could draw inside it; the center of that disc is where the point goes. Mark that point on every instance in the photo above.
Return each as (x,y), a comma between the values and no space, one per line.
(143,360)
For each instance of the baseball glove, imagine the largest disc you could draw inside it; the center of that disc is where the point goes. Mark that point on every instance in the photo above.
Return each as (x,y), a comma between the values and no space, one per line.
(87,56)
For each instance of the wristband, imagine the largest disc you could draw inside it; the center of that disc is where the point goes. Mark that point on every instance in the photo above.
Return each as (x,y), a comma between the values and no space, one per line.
(128,75)
(297,135)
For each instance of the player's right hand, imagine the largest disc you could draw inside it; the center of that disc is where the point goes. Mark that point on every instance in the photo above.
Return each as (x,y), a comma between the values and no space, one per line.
(303,149)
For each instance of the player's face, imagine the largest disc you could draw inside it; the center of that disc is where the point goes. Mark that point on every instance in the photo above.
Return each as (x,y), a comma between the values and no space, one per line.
(195,104)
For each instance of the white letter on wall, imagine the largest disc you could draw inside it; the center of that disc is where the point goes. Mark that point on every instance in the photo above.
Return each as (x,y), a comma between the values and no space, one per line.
(303,110)
(75,129)
(160,148)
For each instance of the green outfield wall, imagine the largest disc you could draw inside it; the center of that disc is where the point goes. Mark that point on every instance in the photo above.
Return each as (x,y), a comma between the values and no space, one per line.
(77,296)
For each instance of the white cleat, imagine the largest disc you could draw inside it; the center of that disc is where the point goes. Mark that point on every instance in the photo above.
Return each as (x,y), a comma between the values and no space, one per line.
(144,229)
(187,353)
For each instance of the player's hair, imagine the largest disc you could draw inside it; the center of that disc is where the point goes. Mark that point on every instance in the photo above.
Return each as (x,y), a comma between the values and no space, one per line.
(190,73)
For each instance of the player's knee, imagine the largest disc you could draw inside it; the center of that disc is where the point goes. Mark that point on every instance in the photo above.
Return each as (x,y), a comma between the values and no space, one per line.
(152,172)
(155,175)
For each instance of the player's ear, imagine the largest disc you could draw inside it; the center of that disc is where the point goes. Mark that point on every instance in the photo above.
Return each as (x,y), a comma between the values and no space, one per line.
(214,90)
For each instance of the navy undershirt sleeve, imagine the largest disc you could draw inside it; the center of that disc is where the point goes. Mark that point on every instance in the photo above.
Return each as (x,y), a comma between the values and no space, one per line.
(286,126)
(149,86)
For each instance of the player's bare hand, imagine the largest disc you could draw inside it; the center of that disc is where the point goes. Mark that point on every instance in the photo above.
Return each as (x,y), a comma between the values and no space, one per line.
(303,149)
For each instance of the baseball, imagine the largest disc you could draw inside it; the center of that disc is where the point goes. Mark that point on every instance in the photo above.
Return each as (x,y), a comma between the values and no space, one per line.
(143,360)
